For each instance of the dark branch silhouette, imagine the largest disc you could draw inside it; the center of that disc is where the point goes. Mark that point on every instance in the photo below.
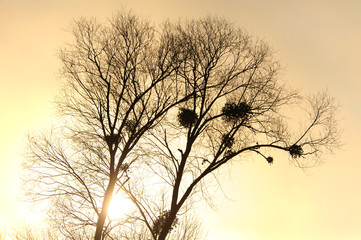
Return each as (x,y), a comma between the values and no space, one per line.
(236,108)
(152,113)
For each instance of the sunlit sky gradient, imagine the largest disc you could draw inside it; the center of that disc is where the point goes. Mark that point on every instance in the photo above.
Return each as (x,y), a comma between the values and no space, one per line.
(318,43)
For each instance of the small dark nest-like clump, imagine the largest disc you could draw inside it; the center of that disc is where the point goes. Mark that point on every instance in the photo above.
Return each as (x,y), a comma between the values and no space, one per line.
(130,125)
(233,112)
(227,140)
(187,117)
(124,167)
(229,153)
(161,221)
(269,159)
(295,151)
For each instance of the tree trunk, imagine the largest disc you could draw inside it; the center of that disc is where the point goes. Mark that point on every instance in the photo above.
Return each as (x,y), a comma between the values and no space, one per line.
(163,234)
(168,224)
(104,212)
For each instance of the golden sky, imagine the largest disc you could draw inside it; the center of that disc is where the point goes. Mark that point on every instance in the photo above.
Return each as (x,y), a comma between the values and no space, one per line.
(319,44)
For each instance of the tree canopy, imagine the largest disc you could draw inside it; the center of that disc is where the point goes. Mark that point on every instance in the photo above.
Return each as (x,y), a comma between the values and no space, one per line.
(170,105)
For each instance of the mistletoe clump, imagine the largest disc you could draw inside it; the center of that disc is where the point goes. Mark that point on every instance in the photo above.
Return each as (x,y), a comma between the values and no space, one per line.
(161,221)
(187,117)
(227,140)
(228,153)
(233,112)
(269,159)
(124,167)
(295,151)
(130,125)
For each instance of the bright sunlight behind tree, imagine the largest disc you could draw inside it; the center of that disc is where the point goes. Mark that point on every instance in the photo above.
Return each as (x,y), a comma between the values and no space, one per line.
(150,113)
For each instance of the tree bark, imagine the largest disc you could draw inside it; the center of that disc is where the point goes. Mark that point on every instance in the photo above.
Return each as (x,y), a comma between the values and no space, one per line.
(105,207)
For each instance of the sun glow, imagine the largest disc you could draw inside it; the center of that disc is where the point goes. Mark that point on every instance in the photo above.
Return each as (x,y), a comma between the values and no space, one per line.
(119,207)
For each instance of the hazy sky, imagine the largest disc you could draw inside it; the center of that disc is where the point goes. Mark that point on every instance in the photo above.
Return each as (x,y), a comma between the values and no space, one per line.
(319,46)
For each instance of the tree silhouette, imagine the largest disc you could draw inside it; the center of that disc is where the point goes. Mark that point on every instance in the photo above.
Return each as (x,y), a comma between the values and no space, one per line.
(237,108)
(119,84)
(169,105)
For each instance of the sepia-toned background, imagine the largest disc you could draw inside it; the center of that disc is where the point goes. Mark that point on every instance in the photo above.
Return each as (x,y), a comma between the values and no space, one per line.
(319,46)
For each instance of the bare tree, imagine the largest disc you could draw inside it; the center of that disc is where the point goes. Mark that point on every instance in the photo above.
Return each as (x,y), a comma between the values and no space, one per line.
(153,114)
(237,108)
(119,84)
